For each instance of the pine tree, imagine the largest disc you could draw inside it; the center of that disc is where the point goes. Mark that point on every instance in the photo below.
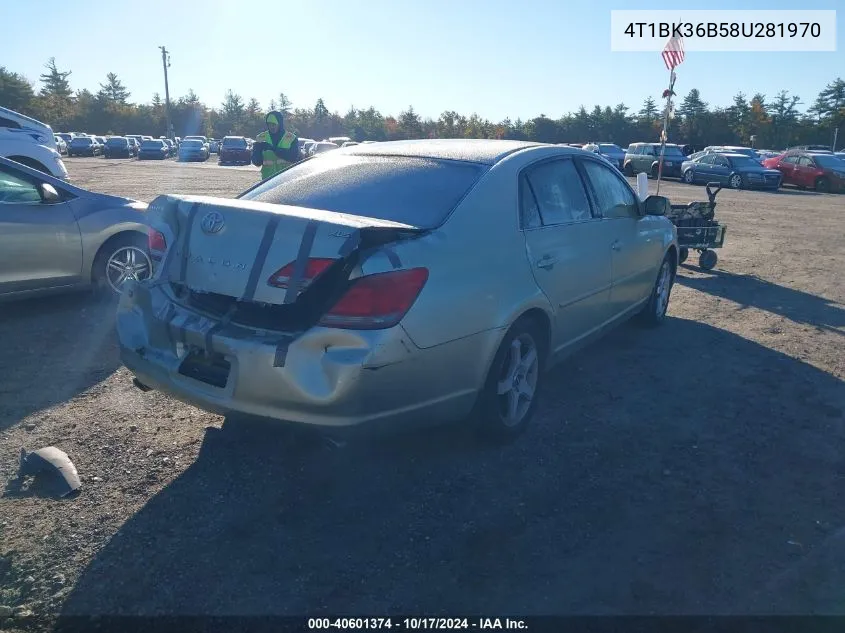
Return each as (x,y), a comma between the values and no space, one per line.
(55,82)
(113,90)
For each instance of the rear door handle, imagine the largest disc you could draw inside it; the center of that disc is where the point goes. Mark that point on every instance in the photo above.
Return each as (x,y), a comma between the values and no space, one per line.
(616,246)
(547,262)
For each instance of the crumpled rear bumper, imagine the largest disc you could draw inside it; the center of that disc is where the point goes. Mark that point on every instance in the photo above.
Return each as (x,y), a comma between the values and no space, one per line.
(324,376)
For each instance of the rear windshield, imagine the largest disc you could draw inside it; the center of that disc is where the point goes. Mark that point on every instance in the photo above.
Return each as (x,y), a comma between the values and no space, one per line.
(82,140)
(672,151)
(234,142)
(610,148)
(117,141)
(416,191)
(192,144)
(152,144)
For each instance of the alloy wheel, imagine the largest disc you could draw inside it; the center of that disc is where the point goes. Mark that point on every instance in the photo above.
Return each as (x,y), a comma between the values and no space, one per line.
(125,264)
(518,383)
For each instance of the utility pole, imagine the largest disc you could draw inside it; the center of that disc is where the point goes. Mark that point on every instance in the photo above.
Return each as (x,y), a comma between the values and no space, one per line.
(165,62)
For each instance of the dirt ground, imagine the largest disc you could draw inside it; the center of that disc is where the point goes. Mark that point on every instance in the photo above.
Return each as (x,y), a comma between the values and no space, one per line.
(693,469)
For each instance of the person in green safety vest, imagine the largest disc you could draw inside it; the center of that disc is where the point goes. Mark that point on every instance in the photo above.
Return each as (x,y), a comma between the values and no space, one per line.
(275,149)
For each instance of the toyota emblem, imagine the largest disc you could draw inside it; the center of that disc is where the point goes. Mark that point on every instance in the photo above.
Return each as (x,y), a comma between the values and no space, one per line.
(212,222)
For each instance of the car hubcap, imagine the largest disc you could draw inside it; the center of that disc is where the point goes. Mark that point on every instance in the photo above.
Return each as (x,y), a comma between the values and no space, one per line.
(519,380)
(688,176)
(125,264)
(736,181)
(664,285)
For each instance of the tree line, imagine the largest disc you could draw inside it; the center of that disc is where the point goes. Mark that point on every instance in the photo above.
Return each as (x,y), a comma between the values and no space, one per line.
(775,122)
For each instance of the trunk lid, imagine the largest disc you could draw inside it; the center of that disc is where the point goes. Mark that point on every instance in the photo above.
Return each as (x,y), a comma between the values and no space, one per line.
(233,247)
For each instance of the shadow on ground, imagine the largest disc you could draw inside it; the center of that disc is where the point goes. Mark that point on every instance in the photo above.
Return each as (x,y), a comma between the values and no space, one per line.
(43,365)
(752,291)
(668,471)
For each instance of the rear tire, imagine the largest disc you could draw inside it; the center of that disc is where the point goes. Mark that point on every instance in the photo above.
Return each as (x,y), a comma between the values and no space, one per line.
(508,400)
(629,170)
(683,254)
(655,172)
(654,311)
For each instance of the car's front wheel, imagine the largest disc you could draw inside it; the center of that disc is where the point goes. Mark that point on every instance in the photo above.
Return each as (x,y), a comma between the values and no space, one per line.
(509,397)
(689,176)
(822,185)
(736,181)
(124,258)
(654,311)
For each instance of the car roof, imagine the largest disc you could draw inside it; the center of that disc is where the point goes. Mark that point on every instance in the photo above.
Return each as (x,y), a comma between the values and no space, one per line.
(485,151)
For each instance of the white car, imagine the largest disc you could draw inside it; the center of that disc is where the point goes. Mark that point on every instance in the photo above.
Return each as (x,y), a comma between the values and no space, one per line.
(323,146)
(61,146)
(30,142)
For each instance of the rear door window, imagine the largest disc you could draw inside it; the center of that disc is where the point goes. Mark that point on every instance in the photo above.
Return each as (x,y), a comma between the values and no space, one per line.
(805,162)
(614,197)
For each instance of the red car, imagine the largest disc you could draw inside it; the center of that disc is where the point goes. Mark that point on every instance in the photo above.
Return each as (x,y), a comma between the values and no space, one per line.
(822,172)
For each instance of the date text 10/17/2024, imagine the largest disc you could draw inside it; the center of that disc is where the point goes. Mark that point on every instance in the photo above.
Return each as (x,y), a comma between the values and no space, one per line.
(429,624)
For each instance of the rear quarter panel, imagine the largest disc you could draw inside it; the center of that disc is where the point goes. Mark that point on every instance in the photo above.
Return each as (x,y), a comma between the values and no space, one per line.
(479,274)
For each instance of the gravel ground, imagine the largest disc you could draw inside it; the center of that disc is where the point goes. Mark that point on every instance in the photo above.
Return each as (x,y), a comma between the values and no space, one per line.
(695,469)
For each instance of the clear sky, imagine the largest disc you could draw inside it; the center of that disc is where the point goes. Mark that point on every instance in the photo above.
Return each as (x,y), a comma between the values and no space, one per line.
(498,58)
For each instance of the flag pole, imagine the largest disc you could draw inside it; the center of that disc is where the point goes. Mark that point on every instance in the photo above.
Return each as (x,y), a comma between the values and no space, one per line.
(664,133)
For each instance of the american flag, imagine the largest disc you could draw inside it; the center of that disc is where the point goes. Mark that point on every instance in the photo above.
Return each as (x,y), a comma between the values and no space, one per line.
(673,52)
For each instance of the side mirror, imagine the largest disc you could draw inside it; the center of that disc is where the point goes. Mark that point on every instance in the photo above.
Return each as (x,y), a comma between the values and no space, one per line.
(656,205)
(49,193)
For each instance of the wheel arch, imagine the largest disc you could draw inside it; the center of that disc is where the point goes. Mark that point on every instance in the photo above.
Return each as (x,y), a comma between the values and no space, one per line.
(673,253)
(115,238)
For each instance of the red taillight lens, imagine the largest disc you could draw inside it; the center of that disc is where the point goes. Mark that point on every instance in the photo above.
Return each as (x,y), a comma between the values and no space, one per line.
(377,301)
(156,240)
(313,268)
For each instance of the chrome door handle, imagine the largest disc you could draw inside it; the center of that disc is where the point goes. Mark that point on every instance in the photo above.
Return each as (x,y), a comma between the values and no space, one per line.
(616,246)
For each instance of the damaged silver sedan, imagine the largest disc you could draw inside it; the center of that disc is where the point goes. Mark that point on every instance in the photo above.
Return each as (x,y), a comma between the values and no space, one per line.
(395,283)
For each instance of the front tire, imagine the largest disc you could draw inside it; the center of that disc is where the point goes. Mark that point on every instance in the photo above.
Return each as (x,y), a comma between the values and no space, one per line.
(689,177)
(121,259)
(654,311)
(509,397)
(736,182)
(822,185)
(683,254)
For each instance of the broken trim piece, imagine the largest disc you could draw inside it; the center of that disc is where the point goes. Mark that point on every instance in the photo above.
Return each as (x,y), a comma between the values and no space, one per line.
(51,458)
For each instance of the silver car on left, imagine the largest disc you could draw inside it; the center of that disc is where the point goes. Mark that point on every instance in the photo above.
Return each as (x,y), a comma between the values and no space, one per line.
(56,237)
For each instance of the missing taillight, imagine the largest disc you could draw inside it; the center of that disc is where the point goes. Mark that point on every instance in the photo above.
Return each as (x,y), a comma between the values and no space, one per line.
(314,267)
(377,301)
